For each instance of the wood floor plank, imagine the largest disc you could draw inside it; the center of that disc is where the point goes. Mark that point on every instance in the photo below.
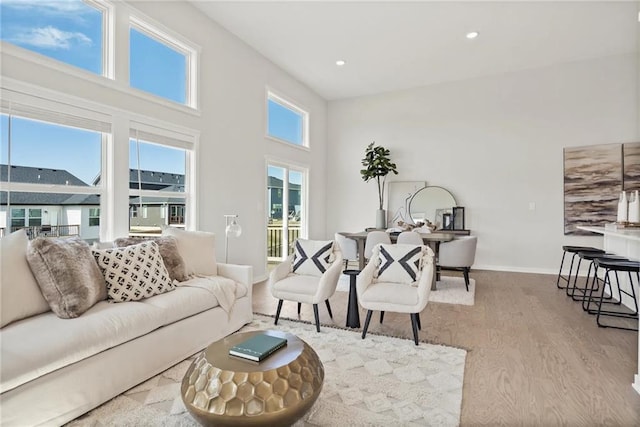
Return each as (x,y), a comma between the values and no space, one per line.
(534,357)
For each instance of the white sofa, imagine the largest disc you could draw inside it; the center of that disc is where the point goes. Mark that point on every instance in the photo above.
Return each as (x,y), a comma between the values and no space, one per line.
(53,370)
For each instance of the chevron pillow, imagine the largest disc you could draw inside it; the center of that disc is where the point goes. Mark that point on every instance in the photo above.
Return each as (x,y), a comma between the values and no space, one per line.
(399,263)
(312,257)
(133,272)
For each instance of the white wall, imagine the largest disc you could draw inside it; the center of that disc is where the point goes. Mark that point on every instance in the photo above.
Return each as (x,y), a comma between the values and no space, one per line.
(231,161)
(495,142)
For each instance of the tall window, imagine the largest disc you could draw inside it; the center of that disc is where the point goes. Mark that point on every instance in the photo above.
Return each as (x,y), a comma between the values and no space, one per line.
(70,31)
(286,122)
(159,168)
(160,64)
(49,169)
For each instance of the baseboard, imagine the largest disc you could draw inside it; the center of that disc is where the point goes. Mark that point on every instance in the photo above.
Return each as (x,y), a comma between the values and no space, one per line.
(636,383)
(515,269)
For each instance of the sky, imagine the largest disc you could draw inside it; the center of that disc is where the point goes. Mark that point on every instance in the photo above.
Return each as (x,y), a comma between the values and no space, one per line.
(71,31)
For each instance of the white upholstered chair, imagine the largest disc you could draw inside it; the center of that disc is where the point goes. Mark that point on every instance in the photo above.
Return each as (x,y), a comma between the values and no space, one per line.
(373,238)
(389,292)
(309,275)
(458,254)
(348,247)
(409,237)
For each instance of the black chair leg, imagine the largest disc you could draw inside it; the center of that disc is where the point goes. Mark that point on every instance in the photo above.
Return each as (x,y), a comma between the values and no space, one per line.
(466,277)
(315,314)
(366,323)
(414,325)
(299,307)
(418,319)
(328,308)
(278,312)
(381,317)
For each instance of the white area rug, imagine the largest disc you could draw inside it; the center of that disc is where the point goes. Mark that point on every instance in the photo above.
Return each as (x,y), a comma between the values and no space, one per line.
(449,290)
(378,381)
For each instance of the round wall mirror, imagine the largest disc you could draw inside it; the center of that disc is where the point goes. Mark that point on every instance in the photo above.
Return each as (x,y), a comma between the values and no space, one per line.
(431,203)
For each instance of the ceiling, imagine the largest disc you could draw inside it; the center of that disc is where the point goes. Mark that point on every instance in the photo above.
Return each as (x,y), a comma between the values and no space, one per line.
(397,45)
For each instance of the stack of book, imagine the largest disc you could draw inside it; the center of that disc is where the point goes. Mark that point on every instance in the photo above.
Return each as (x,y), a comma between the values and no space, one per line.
(258,347)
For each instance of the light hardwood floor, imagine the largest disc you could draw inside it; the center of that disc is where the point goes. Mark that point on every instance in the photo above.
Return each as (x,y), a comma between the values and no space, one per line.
(534,357)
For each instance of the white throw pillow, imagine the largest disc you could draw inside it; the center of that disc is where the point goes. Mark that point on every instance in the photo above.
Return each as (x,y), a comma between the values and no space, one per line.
(312,257)
(20,295)
(133,272)
(197,249)
(399,263)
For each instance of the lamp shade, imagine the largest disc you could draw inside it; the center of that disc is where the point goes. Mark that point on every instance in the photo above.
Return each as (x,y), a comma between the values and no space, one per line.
(233,229)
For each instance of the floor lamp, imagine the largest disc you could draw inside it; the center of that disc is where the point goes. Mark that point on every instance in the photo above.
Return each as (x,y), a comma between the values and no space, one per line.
(232,229)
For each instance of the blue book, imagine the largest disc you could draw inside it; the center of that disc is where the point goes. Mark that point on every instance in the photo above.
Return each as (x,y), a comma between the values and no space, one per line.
(257,347)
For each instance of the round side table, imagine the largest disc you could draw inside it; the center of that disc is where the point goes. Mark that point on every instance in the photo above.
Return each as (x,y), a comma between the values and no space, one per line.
(223,390)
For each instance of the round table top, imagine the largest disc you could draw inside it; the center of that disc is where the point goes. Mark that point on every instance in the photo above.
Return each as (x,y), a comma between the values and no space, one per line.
(217,354)
(351,272)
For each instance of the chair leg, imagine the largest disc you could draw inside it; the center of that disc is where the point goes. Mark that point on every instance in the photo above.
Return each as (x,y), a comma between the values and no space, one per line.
(381,317)
(315,314)
(329,308)
(414,325)
(466,277)
(366,323)
(278,312)
(418,319)
(299,307)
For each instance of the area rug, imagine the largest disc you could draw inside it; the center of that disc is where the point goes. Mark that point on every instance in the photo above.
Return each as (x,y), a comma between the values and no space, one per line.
(449,290)
(378,381)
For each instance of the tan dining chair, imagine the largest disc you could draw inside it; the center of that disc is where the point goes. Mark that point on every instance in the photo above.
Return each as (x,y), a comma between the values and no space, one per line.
(458,254)
(409,237)
(349,248)
(373,238)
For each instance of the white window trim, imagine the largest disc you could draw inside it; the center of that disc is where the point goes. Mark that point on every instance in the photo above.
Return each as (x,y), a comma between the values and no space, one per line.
(296,107)
(173,40)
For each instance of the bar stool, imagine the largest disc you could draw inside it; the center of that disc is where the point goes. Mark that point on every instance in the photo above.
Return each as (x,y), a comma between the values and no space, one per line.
(589,256)
(574,250)
(616,266)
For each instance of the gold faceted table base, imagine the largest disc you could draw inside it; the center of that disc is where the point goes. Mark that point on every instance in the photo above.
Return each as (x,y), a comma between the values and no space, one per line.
(223,390)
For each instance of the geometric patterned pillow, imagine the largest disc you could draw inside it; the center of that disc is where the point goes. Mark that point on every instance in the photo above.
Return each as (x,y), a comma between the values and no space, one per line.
(312,257)
(133,272)
(400,263)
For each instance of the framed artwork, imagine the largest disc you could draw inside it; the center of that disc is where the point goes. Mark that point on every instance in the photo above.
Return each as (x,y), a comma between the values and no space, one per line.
(399,194)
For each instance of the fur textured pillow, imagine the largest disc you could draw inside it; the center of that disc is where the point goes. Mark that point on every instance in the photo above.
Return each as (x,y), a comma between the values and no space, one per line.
(67,275)
(168,250)
(134,272)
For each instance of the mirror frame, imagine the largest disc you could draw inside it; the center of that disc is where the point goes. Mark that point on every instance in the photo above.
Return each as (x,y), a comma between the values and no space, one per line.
(445,210)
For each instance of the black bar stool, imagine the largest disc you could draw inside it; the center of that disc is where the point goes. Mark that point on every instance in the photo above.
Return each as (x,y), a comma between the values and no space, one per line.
(574,250)
(589,256)
(618,266)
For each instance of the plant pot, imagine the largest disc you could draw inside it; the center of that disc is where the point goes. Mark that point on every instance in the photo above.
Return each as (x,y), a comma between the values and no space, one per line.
(381,219)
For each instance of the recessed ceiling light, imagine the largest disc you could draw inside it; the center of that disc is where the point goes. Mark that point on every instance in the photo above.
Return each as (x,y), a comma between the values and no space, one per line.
(340,62)
(473,35)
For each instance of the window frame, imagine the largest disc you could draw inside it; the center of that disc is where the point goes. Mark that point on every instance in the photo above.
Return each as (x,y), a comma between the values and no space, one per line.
(276,97)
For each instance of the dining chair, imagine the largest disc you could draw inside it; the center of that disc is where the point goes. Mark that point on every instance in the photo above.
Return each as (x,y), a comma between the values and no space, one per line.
(349,248)
(458,254)
(373,238)
(409,237)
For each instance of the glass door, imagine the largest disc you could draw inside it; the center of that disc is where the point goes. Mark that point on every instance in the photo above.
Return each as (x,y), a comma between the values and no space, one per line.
(286,209)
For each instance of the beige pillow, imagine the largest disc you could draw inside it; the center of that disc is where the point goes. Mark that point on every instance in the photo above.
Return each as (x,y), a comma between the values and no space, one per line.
(168,250)
(198,250)
(20,295)
(67,274)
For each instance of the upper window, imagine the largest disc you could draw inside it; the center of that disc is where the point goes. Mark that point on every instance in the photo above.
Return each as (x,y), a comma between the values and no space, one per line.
(286,122)
(160,64)
(71,31)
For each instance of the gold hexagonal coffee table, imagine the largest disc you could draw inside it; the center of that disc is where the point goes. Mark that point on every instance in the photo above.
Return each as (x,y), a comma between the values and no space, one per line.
(223,390)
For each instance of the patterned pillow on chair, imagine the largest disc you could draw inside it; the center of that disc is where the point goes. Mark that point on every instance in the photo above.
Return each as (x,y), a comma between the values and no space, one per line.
(399,263)
(312,257)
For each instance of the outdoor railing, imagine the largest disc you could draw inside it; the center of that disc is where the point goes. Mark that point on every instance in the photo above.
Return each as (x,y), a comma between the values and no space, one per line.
(276,245)
(46,231)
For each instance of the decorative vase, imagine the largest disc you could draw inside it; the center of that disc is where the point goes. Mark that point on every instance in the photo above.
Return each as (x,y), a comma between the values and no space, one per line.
(623,207)
(381,219)
(634,208)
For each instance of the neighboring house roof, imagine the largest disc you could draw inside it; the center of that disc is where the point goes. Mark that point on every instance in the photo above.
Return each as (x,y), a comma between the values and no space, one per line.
(24,198)
(32,175)
(274,182)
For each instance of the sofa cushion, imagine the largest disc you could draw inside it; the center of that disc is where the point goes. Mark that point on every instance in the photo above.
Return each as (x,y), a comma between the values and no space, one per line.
(67,274)
(133,272)
(390,293)
(168,250)
(20,295)
(312,257)
(41,344)
(399,263)
(198,250)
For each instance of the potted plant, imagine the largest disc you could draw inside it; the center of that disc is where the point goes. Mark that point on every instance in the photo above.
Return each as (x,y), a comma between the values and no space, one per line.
(377,165)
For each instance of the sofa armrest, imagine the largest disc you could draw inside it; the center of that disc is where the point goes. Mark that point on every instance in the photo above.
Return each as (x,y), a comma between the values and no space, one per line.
(239,273)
